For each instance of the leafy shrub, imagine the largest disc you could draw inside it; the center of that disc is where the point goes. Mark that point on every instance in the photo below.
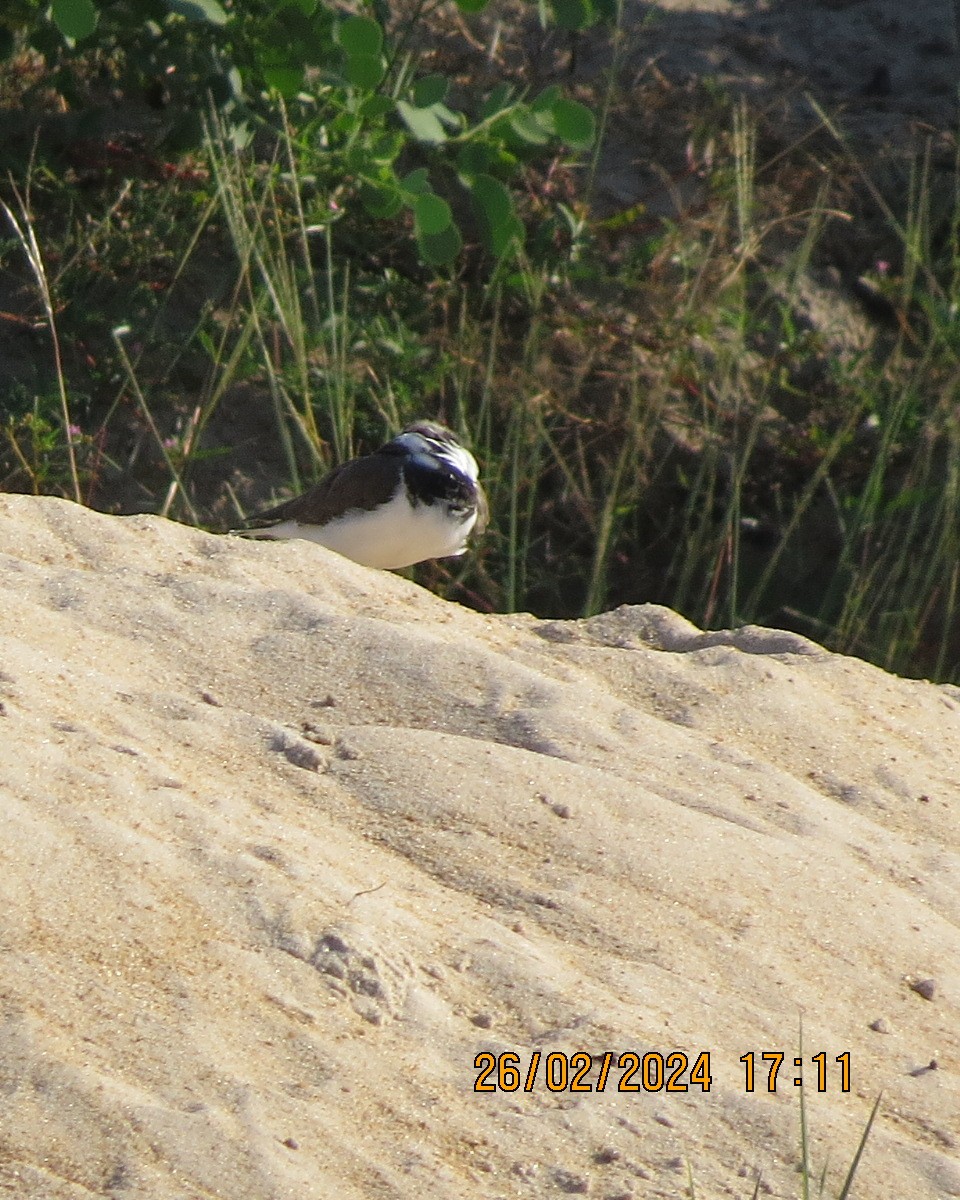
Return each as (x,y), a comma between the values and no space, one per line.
(393,137)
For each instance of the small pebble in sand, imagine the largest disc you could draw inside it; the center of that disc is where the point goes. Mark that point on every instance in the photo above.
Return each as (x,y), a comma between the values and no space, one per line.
(608,1154)
(298,753)
(572,1184)
(880,1025)
(526,1170)
(317,733)
(927,988)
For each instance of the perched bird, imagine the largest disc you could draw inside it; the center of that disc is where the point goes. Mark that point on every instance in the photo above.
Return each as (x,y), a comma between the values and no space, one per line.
(417,497)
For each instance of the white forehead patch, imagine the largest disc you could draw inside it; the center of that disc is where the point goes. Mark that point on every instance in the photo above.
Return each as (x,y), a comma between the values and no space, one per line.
(462,459)
(450,452)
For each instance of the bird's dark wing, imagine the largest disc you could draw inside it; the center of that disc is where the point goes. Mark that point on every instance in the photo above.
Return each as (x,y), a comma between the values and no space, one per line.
(361,483)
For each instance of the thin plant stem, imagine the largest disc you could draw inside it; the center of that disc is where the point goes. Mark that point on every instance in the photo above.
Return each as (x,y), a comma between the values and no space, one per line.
(28,240)
(177,484)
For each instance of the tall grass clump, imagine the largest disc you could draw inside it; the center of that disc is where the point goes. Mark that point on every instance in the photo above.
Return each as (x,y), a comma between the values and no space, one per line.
(832,510)
(22,225)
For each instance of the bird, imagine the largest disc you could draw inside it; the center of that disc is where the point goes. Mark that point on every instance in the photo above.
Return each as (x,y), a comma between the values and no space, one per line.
(417,497)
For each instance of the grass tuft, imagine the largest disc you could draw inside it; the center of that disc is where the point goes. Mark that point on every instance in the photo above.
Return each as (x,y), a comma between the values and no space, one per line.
(23,228)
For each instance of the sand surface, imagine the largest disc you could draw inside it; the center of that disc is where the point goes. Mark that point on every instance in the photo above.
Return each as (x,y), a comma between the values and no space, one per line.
(883,63)
(884,72)
(287,843)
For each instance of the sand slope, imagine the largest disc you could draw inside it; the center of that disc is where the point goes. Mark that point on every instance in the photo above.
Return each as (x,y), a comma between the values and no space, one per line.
(287,842)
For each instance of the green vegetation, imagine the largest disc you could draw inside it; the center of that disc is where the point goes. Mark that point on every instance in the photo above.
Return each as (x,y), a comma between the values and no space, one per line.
(811,1184)
(232,256)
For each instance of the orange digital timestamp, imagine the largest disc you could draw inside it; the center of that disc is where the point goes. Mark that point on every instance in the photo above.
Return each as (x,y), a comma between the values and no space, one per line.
(630,1071)
(772,1060)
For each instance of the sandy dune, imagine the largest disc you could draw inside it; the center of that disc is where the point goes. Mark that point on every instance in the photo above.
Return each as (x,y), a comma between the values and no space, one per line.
(287,843)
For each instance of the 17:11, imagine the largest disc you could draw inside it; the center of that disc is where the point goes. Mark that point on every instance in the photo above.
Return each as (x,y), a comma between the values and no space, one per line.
(774,1060)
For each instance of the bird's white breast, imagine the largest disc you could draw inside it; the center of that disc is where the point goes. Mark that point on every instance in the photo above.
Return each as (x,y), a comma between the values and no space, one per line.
(397,534)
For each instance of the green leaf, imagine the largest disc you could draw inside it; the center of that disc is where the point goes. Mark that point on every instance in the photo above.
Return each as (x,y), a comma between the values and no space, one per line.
(547,98)
(364,70)
(360,35)
(346,124)
(373,107)
(438,249)
(492,199)
(382,202)
(498,100)
(75,19)
(417,182)
(531,127)
(475,158)
(573,14)
(485,158)
(472,6)
(575,124)
(432,89)
(385,147)
(357,160)
(285,80)
(493,205)
(431,214)
(443,114)
(199,10)
(423,123)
